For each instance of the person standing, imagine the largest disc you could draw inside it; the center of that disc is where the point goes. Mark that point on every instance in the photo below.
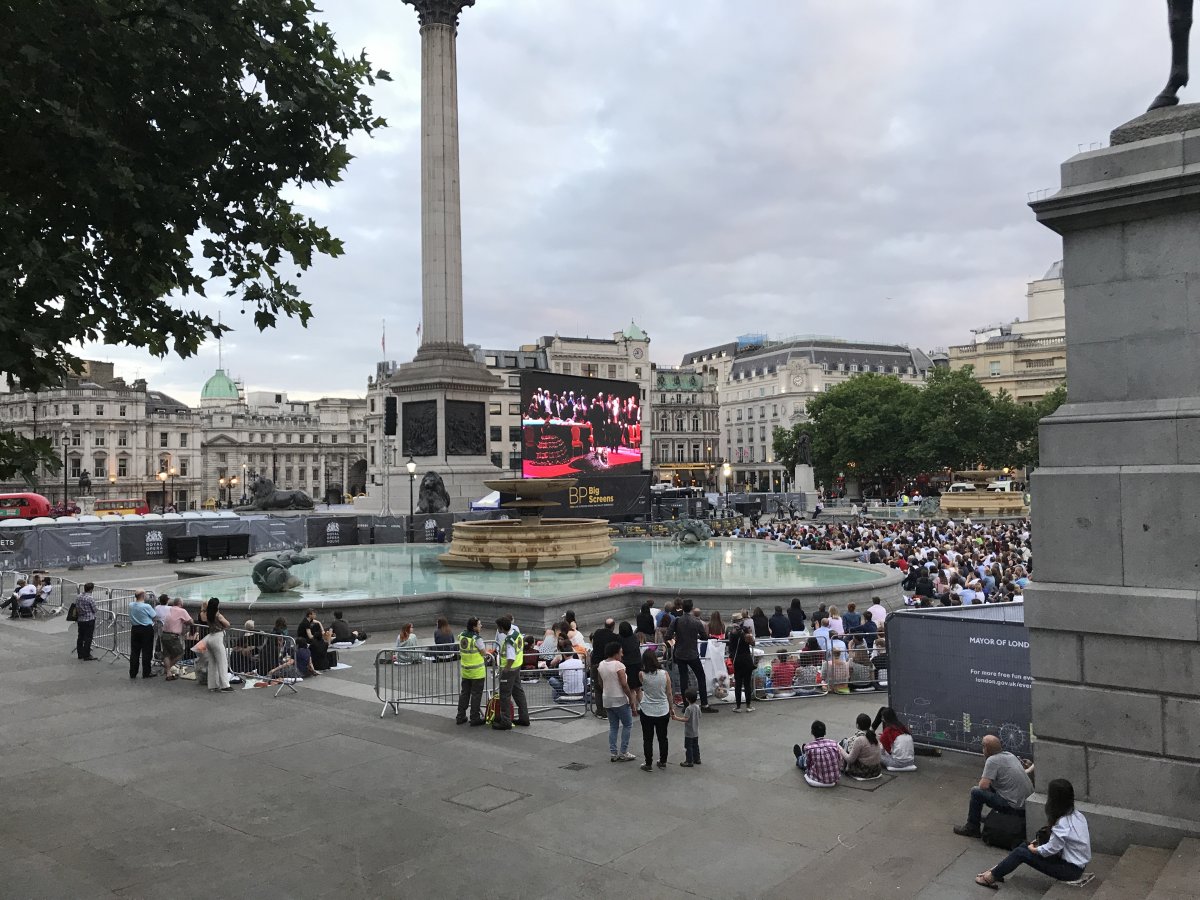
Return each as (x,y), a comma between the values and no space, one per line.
(687,631)
(214,640)
(740,642)
(600,641)
(85,623)
(512,656)
(471,668)
(141,635)
(691,729)
(617,700)
(171,639)
(655,709)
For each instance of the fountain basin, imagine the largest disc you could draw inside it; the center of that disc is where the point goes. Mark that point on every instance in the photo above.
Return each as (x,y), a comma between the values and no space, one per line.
(511,545)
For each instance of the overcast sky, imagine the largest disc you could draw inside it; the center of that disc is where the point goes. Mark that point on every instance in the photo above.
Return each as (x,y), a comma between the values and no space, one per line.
(709,168)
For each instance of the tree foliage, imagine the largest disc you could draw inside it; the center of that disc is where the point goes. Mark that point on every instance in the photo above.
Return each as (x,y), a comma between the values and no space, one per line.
(878,425)
(149,145)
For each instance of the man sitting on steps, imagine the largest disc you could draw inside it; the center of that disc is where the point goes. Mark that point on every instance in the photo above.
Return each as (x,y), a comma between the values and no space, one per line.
(1004,786)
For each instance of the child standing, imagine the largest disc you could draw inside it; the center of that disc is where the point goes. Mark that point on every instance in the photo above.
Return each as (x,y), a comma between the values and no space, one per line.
(691,728)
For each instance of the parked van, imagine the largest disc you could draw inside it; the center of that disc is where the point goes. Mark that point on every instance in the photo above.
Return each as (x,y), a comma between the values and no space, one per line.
(1002,487)
(960,487)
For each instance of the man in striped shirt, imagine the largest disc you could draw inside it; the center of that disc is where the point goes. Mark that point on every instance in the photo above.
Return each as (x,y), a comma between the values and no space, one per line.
(85,623)
(820,760)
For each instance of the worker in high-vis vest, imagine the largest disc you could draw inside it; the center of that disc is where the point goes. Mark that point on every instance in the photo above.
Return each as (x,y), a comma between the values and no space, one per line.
(510,657)
(471,666)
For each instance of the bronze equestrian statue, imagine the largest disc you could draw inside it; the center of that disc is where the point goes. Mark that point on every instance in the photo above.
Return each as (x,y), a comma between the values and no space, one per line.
(1179,19)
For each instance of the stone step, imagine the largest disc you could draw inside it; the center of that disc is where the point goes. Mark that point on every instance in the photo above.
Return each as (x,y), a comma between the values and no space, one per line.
(1102,866)
(1134,874)
(1180,877)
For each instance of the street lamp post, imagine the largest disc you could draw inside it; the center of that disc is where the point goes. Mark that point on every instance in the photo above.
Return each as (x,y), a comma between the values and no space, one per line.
(66,442)
(514,462)
(112,486)
(727,470)
(162,476)
(411,466)
(220,489)
(233,482)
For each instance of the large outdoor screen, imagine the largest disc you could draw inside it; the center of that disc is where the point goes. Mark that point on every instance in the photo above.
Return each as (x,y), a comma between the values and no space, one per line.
(579,426)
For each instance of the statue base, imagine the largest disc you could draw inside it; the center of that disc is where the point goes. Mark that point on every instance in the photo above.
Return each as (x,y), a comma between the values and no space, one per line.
(87,505)
(1157,123)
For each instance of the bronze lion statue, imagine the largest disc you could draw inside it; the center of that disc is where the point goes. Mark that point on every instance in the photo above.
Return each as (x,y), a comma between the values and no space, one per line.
(432,496)
(264,497)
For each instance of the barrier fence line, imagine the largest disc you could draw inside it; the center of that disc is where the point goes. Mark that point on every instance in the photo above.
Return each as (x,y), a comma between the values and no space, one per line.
(427,676)
(252,655)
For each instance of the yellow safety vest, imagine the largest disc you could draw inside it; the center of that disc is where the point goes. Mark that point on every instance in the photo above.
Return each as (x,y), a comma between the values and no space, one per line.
(470,658)
(515,638)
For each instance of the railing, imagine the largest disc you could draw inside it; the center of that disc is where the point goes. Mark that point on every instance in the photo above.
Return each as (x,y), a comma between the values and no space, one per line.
(427,676)
(552,693)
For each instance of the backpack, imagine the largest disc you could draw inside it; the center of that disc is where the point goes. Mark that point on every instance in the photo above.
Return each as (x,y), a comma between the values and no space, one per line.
(1004,828)
(493,710)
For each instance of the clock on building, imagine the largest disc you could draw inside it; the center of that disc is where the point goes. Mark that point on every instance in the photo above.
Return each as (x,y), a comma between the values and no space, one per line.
(798,379)
(637,352)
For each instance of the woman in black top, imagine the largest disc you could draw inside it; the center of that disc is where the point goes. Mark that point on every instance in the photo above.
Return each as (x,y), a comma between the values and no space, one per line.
(762,626)
(796,615)
(632,654)
(645,623)
(739,641)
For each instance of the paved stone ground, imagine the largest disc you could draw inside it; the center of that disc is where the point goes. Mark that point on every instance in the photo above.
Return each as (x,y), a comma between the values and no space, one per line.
(147,788)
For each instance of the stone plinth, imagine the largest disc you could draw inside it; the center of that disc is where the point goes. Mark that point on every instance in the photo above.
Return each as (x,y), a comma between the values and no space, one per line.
(1114,613)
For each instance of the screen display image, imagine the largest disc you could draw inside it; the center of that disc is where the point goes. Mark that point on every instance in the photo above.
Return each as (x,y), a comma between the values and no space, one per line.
(579,426)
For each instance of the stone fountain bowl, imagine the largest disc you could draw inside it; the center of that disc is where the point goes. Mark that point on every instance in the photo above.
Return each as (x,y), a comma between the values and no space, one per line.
(531,487)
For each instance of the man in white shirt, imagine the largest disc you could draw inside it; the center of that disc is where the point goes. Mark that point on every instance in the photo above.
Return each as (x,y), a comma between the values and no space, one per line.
(878,612)
(570,678)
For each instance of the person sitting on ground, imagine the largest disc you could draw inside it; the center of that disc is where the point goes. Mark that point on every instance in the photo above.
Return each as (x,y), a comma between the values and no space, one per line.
(896,740)
(820,759)
(835,675)
(406,645)
(879,662)
(779,624)
(783,672)
(280,626)
(1004,786)
(21,600)
(299,667)
(796,616)
(762,625)
(868,629)
(851,620)
(861,753)
(443,633)
(343,633)
(1062,849)
(309,626)
(548,645)
(323,659)
(835,621)
(570,678)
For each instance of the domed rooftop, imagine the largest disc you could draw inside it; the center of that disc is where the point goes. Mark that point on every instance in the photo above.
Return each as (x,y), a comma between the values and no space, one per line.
(220,387)
(634,333)
(1055,271)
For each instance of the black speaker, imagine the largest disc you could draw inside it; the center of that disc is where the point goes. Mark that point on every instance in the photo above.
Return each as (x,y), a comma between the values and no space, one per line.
(389,415)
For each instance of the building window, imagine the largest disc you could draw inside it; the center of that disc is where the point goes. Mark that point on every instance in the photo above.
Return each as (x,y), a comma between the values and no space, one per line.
(510,362)
(333,439)
(695,453)
(637,372)
(56,412)
(762,432)
(76,467)
(99,467)
(497,459)
(695,423)
(315,478)
(183,468)
(98,439)
(495,409)
(994,368)
(100,411)
(372,454)
(491,360)
(494,433)
(590,370)
(514,433)
(514,380)
(612,371)
(122,467)
(514,409)
(739,414)
(74,409)
(163,439)
(222,457)
(122,438)
(302,438)
(287,475)
(183,439)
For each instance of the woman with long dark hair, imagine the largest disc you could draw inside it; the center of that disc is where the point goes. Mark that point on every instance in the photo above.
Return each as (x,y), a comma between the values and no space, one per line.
(632,649)
(896,740)
(861,753)
(762,625)
(214,640)
(655,708)
(1061,850)
(739,642)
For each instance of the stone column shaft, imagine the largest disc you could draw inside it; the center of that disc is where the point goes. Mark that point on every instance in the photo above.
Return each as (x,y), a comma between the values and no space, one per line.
(441,209)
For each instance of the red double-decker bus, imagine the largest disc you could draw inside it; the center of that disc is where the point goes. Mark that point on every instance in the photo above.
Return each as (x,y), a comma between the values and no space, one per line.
(23,506)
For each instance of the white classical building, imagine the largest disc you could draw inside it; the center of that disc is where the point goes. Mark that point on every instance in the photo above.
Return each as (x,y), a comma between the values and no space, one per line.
(686,436)
(763,385)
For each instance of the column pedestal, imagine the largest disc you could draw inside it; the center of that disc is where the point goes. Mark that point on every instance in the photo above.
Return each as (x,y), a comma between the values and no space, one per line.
(1114,611)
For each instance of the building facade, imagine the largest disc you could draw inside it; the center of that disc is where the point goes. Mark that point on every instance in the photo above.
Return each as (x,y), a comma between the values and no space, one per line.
(1026,358)
(763,385)
(320,446)
(685,442)
(120,434)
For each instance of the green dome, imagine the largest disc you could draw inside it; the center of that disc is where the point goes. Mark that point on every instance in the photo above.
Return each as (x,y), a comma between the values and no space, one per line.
(634,333)
(220,387)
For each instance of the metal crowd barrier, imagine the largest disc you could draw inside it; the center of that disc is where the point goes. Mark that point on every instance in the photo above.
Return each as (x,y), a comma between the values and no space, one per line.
(257,656)
(546,688)
(788,670)
(428,676)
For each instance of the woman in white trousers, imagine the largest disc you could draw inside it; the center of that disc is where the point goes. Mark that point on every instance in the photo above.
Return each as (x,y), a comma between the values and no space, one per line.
(218,659)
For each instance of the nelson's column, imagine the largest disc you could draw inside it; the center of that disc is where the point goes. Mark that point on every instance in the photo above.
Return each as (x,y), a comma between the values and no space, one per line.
(442,394)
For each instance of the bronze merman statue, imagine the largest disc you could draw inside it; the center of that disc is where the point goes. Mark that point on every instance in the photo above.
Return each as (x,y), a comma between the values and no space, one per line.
(1179,19)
